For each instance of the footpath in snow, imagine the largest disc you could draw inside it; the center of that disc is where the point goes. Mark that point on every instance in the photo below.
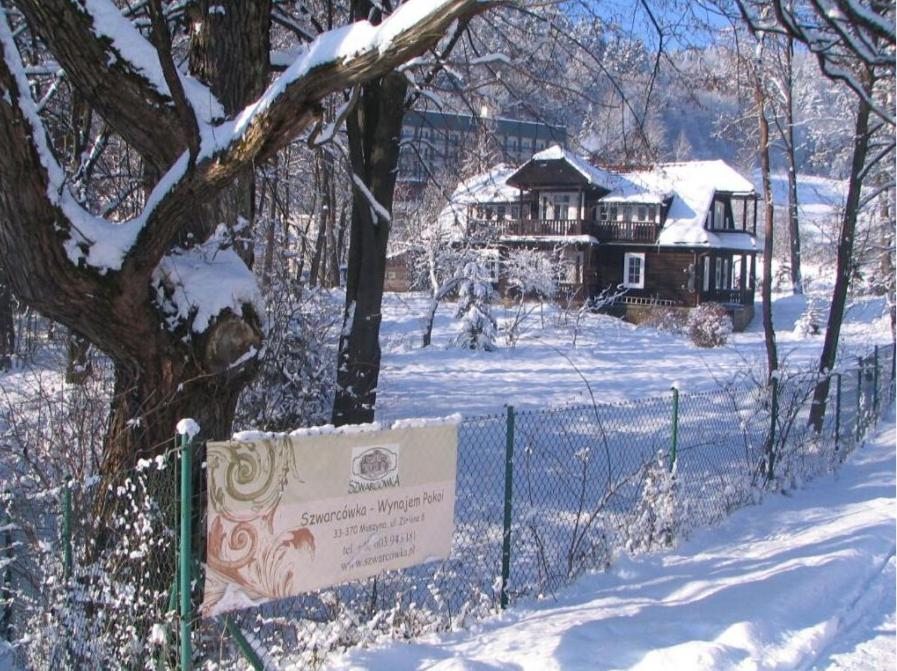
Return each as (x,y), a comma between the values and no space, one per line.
(804,581)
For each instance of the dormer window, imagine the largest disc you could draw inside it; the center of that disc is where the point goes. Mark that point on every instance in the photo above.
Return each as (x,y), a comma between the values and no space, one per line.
(719,215)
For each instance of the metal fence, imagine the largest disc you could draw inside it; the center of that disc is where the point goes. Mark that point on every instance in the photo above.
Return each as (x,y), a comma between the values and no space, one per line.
(88,571)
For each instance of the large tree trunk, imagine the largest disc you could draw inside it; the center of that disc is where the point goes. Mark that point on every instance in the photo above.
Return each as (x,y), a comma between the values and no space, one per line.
(374,129)
(845,265)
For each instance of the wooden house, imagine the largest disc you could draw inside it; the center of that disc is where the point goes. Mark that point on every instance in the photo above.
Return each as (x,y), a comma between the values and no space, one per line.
(675,235)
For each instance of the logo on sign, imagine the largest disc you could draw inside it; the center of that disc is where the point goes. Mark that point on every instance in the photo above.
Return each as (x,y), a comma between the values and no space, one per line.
(374,468)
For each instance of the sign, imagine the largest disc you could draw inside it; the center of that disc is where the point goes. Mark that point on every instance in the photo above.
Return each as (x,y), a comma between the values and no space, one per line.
(291,514)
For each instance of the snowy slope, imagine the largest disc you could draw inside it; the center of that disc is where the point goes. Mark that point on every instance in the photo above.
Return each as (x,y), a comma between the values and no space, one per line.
(799,582)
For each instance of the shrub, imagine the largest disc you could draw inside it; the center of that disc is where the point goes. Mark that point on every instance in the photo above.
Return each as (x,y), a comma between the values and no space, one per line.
(709,325)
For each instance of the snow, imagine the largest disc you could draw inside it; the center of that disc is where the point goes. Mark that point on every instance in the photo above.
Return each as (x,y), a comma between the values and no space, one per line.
(198,284)
(140,56)
(803,581)
(487,187)
(378,212)
(693,185)
(188,427)
(621,361)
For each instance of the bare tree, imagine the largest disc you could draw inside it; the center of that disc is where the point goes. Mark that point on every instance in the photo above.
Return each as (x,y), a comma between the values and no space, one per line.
(854,42)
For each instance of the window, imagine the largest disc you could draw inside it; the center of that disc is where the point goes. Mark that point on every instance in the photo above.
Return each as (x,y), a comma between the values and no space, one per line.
(634,271)
(562,206)
(739,211)
(652,213)
(642,213)
(602,212)
(502,211)
(613,213)
(706,273)
(718,278)
(515,212)
(627,213)
(719,214)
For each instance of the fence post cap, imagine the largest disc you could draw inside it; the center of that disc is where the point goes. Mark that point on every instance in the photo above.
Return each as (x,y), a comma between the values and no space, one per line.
(188,427)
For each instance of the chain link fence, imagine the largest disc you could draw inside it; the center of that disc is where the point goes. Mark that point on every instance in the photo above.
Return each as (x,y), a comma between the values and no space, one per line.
(88,570)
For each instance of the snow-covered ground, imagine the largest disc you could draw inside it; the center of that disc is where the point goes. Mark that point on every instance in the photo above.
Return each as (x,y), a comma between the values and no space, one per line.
(805,581)
(620,361)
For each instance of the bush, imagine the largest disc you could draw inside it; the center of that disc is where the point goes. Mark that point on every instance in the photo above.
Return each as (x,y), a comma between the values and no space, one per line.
(709,325)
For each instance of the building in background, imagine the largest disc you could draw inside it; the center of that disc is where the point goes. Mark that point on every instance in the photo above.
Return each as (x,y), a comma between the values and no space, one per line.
(436,143)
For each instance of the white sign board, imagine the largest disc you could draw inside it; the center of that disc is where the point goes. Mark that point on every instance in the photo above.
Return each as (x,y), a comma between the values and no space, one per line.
(291,514)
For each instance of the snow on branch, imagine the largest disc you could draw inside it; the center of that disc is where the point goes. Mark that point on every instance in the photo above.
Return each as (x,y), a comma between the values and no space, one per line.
(378,212)
(135,53)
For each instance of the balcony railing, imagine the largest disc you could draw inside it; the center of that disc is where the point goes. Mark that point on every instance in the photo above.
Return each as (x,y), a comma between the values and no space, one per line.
(729,296)
(605,231)
(626,231)
(540,227)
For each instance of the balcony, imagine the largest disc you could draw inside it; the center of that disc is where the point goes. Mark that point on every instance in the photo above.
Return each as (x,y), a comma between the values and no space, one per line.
(529,227)
(626,231)
(604,231)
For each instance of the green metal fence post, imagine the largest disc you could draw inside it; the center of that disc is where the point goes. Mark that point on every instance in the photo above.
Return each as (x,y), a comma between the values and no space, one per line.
(509,490)
(248,652)
(67,528)
(875,381)
(185,551)
(675,436)
(837,411)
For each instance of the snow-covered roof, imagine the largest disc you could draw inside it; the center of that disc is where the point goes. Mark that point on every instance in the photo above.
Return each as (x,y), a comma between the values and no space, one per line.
(692,186)
(487,187)
(595,176)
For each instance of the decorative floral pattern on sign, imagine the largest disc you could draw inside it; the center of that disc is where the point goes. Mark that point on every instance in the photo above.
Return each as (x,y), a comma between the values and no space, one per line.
(247,561)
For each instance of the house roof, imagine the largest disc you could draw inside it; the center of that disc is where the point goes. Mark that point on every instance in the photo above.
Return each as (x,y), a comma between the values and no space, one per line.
(487,187)
(557,166)
(692,186)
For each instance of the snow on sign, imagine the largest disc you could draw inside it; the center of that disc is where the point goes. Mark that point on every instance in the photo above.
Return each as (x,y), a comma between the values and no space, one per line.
(290,514)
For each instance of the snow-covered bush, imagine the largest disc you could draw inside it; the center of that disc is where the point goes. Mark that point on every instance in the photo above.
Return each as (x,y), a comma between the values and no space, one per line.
(531,275)
(111,609)
(709,325)
(478,326)
(655,520)
(297,375)
(810,321)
